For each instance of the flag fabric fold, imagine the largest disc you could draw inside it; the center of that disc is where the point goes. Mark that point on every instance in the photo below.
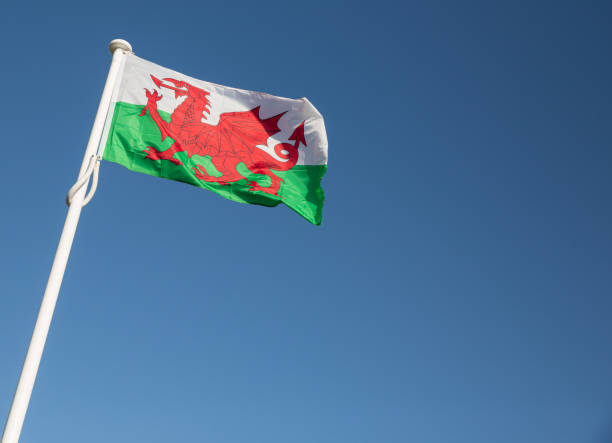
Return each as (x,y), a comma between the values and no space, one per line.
(246,146)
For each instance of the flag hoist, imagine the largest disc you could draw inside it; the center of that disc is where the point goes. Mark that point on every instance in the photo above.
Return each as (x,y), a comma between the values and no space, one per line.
(76,199)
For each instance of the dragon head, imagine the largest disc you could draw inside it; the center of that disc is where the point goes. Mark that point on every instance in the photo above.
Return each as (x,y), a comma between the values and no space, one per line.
(183,89)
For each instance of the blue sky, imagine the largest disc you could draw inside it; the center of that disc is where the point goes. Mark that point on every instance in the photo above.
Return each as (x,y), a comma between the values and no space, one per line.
(458,289)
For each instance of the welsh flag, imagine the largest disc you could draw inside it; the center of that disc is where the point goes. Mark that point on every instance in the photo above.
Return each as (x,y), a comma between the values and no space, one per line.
(246,146)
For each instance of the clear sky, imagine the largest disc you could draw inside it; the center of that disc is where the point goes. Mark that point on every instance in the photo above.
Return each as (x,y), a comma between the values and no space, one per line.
(458,289)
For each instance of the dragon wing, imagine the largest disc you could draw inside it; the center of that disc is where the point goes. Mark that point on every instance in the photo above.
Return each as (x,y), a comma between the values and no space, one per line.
(237,134)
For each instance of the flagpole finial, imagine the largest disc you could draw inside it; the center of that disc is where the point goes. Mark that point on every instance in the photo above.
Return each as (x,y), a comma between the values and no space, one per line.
(119,44)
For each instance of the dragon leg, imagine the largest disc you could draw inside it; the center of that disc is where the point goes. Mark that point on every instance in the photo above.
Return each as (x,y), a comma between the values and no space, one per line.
(200,173)
(227,168)
(152,153)
(151,106)
(168,154)
(273,188)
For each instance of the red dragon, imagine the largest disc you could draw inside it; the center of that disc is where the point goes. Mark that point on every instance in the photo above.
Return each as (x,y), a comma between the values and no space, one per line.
(232,141)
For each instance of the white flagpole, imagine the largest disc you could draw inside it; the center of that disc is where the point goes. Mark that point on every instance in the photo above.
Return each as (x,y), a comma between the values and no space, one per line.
(16,416)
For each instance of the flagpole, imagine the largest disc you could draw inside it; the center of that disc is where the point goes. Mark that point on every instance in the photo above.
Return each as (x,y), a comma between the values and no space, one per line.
(19,406)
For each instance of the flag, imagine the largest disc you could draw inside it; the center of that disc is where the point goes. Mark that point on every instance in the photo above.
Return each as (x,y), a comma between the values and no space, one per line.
(246,146)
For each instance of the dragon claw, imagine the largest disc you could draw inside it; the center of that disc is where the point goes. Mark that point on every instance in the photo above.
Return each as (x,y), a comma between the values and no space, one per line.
(153,96)
(154,154)
(271,190)
(152,99)
(255,187)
